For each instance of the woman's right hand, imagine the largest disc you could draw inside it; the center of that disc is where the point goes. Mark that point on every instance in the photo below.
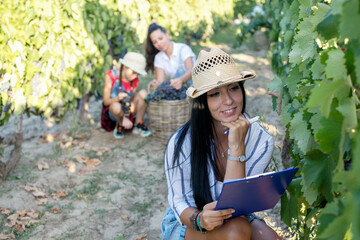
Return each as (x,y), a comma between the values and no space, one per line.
(122,95)
(210,219)
(154,84)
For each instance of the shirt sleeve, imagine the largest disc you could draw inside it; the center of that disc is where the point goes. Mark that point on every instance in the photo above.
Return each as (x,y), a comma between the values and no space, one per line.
(259,147)
(186,52)
(158,62)
(180,195)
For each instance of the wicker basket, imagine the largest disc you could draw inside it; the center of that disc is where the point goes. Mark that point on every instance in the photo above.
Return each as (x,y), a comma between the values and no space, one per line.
(167,116)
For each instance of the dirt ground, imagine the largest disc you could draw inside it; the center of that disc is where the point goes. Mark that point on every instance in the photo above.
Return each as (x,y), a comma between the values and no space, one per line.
(78,182)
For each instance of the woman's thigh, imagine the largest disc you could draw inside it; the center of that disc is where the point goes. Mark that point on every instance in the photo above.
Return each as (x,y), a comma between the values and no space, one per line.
(237,228)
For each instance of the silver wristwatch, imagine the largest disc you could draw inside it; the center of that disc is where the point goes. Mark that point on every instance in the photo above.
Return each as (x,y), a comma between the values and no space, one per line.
(241,158)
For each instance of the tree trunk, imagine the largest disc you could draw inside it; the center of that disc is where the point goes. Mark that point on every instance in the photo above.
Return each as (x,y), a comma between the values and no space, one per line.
(15,155)
(84,115)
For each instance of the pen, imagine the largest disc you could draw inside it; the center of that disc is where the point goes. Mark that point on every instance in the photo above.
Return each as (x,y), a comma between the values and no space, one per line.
(252,120)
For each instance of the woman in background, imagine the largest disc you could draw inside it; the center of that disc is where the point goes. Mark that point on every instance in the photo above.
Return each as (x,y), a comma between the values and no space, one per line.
(169,60)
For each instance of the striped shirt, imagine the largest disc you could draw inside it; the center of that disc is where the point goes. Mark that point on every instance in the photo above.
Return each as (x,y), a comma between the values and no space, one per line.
(258,149)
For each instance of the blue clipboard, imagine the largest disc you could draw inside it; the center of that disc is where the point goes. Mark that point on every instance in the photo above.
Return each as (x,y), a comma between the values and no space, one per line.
(254,193)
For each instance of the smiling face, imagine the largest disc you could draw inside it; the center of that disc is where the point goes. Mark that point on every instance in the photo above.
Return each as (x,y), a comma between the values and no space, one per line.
(225,103)
(160,40)
(128,74)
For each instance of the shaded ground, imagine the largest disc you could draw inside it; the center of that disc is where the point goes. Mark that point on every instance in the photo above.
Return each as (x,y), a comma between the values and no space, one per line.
(96,187)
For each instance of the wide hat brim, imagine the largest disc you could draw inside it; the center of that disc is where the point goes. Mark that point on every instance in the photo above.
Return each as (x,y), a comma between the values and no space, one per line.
(129,65)
(193,92)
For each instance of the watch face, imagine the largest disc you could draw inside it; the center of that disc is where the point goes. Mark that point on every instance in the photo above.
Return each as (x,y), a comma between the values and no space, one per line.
(242,158)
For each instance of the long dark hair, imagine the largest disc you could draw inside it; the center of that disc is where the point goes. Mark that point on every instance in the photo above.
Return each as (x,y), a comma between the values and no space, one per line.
(201,129)
(150,50)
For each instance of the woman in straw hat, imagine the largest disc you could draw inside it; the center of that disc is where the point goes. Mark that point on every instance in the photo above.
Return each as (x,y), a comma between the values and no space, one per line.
(120,103)
(217,144)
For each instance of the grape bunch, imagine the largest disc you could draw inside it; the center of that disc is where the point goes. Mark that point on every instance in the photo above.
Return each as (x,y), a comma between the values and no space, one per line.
(166,92)
(126,104)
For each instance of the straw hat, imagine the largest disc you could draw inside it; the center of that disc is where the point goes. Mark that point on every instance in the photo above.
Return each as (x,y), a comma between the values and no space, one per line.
(135,61)
(214,69)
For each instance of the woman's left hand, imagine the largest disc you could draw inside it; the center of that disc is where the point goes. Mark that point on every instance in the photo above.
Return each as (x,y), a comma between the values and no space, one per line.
(176,83)
(237,134)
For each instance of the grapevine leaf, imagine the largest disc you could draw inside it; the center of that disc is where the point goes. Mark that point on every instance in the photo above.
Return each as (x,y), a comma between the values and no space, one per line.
(317,172)
(322,95)
(290,203)
(286,114)
(349,17)
(292,80)
(20,101)
(315,120)
(317,69)
(310,193)
(348,110)
(330,134)
(357,65)
(335,68)
(305,38)
(300,133)
(328,28)
(295,54)
(337,228)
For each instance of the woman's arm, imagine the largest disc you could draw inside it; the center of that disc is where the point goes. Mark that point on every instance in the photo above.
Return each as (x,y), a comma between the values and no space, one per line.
(178,82)
(236,142)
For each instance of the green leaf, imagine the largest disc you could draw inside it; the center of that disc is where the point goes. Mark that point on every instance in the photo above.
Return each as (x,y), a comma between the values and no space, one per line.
(300,133)
(329,135)
(350,15)
(276,85)
(337,225)
(335,68)
(295,53)
(317,172)
(305,38)
(286,114)
(293,79)
(317,69)
(328,28)
(322,95)
(348,110)
(310,193)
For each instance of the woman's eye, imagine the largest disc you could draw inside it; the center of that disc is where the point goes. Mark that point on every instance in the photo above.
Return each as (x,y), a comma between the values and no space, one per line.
(234,88)
(213,94)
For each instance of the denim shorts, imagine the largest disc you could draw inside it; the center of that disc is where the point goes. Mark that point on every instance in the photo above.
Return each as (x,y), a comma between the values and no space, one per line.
(171,228)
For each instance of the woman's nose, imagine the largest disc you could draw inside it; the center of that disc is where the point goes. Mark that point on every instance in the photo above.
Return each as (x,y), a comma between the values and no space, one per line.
(226,98)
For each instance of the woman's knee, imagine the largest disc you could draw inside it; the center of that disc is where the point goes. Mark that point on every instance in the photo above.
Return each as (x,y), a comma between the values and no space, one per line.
(115,109)
(142,94)
(238,229)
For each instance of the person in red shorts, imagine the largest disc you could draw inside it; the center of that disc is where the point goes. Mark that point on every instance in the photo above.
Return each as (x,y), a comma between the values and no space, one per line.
(121,102)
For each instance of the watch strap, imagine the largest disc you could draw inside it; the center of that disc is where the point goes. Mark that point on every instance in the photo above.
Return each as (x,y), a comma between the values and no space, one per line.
(241,158)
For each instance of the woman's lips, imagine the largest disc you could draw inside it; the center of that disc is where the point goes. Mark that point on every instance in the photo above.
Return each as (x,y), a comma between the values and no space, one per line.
(229,112)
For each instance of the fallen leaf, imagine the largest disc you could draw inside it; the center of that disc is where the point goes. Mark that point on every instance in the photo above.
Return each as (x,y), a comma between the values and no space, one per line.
(142,236)
(72,167)
(55,210)
(39,195)
(125,217)
(5,211)
(93,162)
(43,165)
(81,159)
(59,194)
(7,236)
